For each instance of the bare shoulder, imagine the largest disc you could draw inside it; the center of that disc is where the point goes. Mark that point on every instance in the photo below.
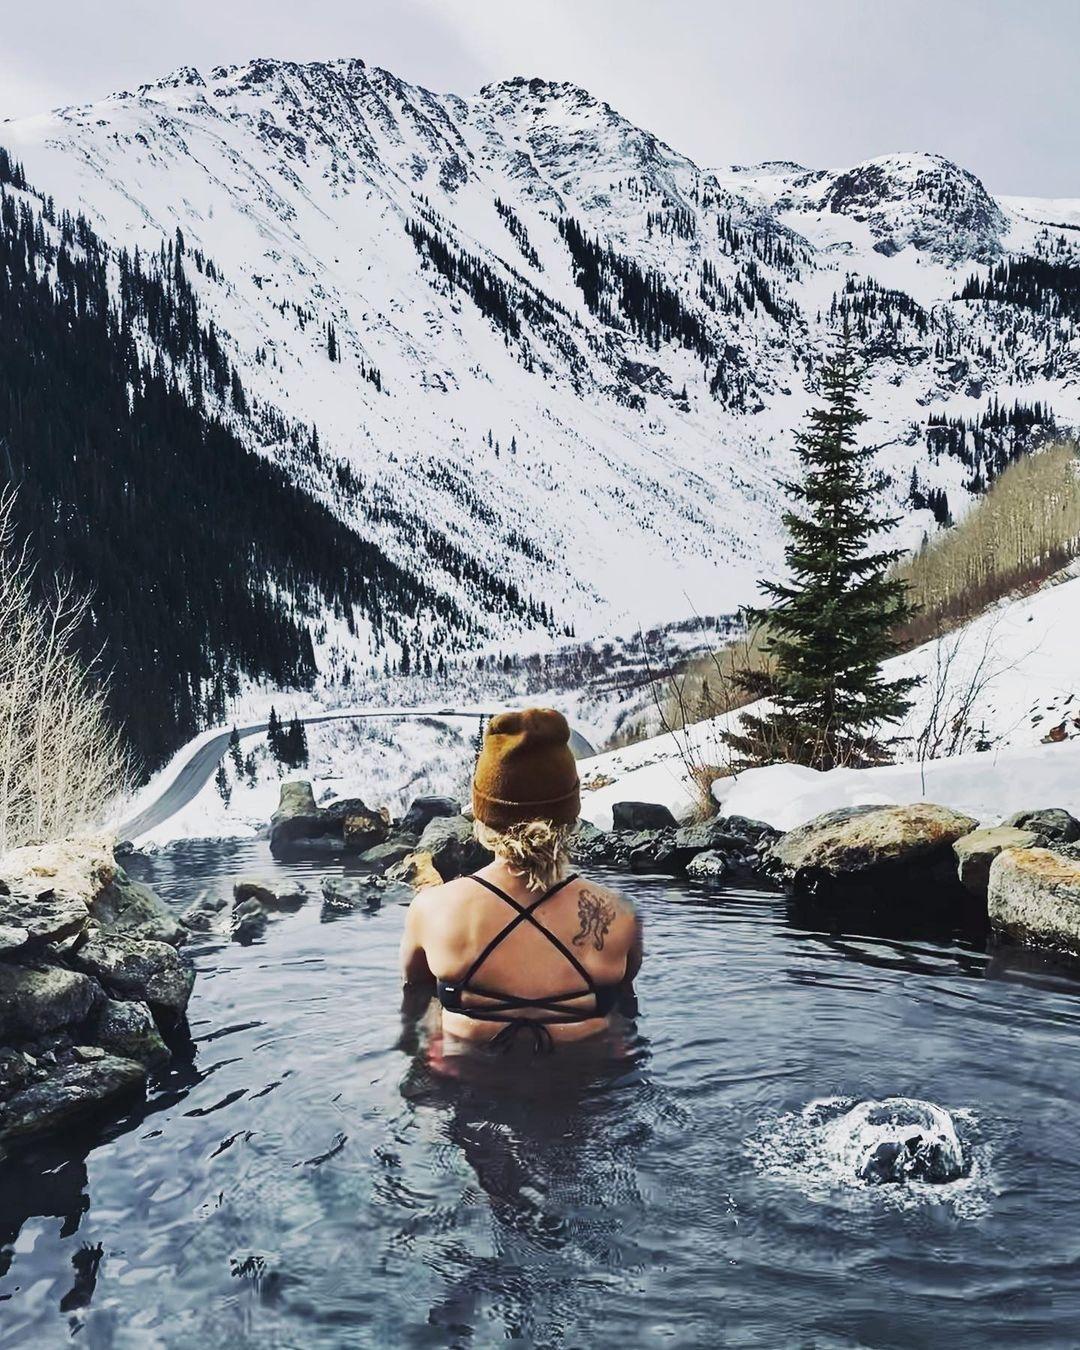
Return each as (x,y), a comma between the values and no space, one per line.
(602,913)
(621,905)
(435,901)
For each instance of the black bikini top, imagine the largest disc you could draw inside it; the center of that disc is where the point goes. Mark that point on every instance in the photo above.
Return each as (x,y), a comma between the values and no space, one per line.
(501,1007)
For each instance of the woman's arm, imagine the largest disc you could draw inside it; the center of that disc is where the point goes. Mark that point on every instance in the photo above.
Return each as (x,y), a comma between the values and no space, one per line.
(414,964)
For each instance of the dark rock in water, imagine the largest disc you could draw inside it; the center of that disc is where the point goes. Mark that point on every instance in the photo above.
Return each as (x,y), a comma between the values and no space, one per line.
(426,809)
(862,851)
(69,1093)
(337,812)
(138,968)
(127,1028)
(288,899)
(32,918)
(127,906)
(642,816)
(384,856)
(453,848)
(363,830)
(896,1139)
(41,998)
(707,866)
(205,914)
(249,921)
(591,845)
(298,821)
(711,834)
(754,830)
(661,855)
(343,895)
(1054,823)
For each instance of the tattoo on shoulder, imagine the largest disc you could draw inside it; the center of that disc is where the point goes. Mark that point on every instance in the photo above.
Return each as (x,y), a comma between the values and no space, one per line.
(596,914)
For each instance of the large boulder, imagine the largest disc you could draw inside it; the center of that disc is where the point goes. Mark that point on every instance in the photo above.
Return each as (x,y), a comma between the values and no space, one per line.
(417,871)
(69,1093)
(1054,823)
(453,847)
(707,866)
(127,906)
(1034,898)
(383,856)
(286,898)
(35,1000)
(128,1029)
(977,850)
(298,821)
(862,848)
(426,809)
(139,968)
(29,919)
(364,829)
(642,816)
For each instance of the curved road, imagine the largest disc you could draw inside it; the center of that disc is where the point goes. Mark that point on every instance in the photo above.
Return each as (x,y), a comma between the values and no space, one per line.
(194,773)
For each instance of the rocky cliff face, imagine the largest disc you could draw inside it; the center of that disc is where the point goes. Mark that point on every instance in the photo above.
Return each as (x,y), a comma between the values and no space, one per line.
(519,316)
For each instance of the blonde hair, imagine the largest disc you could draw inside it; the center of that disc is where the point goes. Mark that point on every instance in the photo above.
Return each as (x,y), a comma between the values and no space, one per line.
(538,851)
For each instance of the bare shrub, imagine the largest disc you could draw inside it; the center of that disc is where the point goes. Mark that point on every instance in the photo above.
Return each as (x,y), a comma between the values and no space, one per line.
(62,763)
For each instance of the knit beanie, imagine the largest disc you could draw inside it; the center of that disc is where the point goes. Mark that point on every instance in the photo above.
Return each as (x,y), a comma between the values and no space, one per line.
(526,771)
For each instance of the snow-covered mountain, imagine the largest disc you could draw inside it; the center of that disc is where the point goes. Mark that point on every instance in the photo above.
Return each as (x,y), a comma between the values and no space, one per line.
(519,317)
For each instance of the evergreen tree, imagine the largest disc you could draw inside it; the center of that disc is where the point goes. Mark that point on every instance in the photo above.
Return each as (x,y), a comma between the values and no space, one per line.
(234,750)
(273,733)
(221,781)
(294,746)
(829,627)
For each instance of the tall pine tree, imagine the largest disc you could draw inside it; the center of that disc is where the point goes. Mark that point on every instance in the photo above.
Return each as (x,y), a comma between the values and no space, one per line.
(829,627)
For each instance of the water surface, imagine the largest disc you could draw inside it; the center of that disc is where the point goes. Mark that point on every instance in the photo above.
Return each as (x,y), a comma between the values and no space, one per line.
(304,1179)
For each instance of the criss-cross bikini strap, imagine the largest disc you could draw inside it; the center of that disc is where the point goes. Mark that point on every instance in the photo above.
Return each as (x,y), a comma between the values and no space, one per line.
(525,914)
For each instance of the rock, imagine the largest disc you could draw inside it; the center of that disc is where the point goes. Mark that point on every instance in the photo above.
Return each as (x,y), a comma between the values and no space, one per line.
(712,834)
(127,906)
(707,866)
(661,854)
(453,848)
(298,820)
(591,845)
(426,809)
(1034,897)
(288,899)
(70,1093)
(343,895)
(417,870)
(127,1028)
(75,869)
(139,968)
(336,812)
(754,830)
(39,999)
(204,915)
(28,919)
(363,830)
(249,921)
(642,816)
(1055,825)
(977,850)
(384,856)
(861,847)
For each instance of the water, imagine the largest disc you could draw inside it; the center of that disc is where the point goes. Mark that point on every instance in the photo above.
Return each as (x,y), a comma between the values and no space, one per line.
(305,1180)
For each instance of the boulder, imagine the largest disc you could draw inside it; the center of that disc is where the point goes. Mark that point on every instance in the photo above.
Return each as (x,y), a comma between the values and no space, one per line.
(977,850)
(712,834)
(343,895)
(363,830)
(642,816)
(453,848)
(426,809)
(417,871)
(127,1028)
(660,853)
(289,898)
(298,820)
(707,866)
(383,856)
(859,848)
(69,1093)
(754,830)
(38,999)
(1055,825)
(336,812)
(31,920)
(249,921)
(127,906)
(205,914)
(139,968)
(1033,897)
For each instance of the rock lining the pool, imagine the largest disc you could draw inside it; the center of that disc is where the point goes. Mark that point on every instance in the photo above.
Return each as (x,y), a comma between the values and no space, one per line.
(91,983)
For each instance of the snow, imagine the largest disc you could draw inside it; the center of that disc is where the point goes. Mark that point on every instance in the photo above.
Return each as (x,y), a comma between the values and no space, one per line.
(1007,681)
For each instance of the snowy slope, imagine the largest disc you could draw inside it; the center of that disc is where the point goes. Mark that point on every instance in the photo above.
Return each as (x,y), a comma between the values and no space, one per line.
(994,727)
(616,449)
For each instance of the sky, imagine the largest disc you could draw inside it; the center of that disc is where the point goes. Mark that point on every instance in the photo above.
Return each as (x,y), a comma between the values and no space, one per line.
(989,83)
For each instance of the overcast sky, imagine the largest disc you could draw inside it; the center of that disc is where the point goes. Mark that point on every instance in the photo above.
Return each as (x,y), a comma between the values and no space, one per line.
(992,84)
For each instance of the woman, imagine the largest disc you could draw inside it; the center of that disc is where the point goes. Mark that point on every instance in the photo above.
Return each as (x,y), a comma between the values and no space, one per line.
(521,947)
